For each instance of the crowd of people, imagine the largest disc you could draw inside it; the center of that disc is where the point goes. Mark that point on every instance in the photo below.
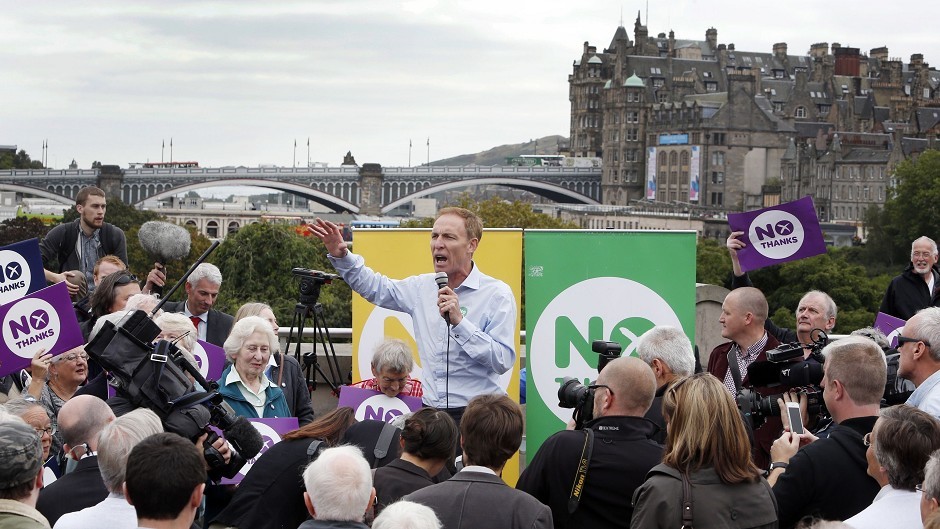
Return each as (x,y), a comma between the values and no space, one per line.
(667,446)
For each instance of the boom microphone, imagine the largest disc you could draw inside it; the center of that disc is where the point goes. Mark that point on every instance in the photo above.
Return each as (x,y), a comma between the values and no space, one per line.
(441,279)
(165,242)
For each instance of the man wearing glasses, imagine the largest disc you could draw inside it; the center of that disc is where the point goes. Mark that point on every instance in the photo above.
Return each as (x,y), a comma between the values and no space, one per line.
(919,345)
(916,287)
(619,458)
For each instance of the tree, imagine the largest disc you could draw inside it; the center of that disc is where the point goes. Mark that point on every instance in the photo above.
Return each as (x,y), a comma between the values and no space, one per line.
(19,160)
(712,263)
(498,213)
(256,265)
(911,210)
(21,228)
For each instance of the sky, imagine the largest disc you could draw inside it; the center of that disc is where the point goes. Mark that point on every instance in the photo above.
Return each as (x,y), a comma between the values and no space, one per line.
(239,82)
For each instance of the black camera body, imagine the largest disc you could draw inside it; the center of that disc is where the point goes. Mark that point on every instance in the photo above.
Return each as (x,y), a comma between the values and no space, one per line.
(310,283)
(154,376)
(574,395)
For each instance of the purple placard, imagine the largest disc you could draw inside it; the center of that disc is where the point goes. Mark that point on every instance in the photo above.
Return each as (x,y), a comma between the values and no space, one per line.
(375,405)
(271,431)
(778,234)
(891,326)
(211,359)
(21,270)
(44,319)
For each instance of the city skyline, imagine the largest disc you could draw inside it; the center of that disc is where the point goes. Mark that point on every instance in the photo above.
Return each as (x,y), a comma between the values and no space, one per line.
(239,84)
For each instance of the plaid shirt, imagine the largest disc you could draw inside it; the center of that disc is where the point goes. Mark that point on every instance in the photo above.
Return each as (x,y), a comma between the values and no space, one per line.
(412,387)
(745,358)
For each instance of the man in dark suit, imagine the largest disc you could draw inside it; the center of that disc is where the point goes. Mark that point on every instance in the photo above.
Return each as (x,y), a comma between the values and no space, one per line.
(81,419)
(490,433)
(202,289)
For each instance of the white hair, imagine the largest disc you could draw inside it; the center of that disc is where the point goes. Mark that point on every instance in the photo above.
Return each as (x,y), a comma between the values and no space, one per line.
(924,238)
(207,271)
(144,302)
(118,438)
(244,328)
(406,515)
(670,345)
(339,483)
(179,324)
(394,355)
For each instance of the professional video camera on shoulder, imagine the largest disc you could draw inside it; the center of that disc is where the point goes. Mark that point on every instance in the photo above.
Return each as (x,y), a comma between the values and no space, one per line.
(153,375)
(574,395)
(785,367)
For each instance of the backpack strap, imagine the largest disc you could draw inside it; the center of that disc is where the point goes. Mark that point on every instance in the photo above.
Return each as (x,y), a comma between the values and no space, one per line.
(384,443)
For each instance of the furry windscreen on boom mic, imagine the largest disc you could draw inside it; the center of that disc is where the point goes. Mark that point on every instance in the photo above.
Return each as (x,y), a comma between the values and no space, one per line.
(245,438)
(165,242)
(441,279)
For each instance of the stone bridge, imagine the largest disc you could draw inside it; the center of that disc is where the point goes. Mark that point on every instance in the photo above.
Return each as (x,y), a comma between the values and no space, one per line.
(370,189)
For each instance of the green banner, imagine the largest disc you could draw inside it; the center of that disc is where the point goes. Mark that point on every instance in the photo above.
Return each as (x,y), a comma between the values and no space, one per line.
(582,286)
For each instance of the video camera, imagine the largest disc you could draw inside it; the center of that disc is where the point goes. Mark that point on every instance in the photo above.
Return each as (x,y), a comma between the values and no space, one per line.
(782,369)
(574,395)
(154,376)
(310,283)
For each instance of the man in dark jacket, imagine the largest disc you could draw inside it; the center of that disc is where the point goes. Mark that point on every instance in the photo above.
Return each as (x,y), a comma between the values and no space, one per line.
(77,245)
(668,352)
(916,287)
(621,452)
(828,477)
(81,419)
(339,489)
(202,290)
(743,314)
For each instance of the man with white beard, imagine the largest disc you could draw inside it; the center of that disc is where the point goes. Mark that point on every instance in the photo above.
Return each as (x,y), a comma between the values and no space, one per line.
(916,287)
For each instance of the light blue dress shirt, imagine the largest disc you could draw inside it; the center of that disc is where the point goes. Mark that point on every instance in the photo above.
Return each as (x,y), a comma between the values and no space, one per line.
(927,395)
(481,346)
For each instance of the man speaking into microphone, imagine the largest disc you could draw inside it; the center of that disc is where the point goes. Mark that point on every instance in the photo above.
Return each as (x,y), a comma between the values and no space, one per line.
(464,328)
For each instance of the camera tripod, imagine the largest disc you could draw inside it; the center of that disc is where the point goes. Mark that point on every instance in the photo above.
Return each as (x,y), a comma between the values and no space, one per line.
(309,362)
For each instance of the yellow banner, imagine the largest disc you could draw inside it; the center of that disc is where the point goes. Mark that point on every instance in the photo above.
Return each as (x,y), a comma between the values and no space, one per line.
(399,253)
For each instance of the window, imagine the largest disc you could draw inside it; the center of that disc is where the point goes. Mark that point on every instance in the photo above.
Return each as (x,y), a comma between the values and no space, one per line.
(658,82)
(656,71)
(778,74)
(718,158)
(633,135)
(718,138)
(711,86)
(927,93)
(718,177)
(633,117)
(717,199)
(800,112)
(707,75)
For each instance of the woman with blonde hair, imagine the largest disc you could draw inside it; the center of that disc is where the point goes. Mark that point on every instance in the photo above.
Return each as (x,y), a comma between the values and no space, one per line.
(285,372)
(707,477)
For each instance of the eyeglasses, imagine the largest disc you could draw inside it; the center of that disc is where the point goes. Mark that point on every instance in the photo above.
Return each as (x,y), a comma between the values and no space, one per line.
(593,387)
(905,339)
(919,487)
(925,255)
(71,357)
(866,439)
(51,430)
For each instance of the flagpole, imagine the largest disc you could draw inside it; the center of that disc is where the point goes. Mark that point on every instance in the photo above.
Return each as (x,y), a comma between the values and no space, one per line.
(308,152)
(429,151)
(295,153)
(409,152)
(162,148)
(171,149)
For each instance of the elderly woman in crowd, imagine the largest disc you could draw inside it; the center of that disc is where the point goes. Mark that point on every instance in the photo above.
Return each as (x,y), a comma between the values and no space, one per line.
(707,447)
(28,409)
(55,379)
(428,441)
(271,495)
(391,368)
(285,371)
(898,449)
(243,385)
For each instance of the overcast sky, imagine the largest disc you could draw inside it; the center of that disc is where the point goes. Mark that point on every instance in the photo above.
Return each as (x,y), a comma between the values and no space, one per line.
(235,83)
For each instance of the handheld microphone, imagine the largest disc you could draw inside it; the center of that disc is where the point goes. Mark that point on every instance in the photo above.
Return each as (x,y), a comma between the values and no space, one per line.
(441,279)
(165,242)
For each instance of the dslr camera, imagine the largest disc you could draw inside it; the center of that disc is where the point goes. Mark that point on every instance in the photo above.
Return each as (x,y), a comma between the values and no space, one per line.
(574,395)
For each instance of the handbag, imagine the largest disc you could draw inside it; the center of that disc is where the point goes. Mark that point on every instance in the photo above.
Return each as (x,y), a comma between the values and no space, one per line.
(686,502)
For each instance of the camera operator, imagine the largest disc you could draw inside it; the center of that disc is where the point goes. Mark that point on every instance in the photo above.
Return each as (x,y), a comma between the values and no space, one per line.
(742,321)
(616,446)
(828,477)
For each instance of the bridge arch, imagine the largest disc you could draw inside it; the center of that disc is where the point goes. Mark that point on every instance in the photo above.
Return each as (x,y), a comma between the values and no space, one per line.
(552,191)
(310,193)
(37,192)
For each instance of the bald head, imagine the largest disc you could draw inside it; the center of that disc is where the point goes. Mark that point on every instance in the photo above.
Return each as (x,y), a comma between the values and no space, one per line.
(750,299)
(82,418)
(633,385)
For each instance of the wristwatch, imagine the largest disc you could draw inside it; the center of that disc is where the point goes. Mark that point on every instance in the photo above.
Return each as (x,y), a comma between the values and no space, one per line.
(778,464)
